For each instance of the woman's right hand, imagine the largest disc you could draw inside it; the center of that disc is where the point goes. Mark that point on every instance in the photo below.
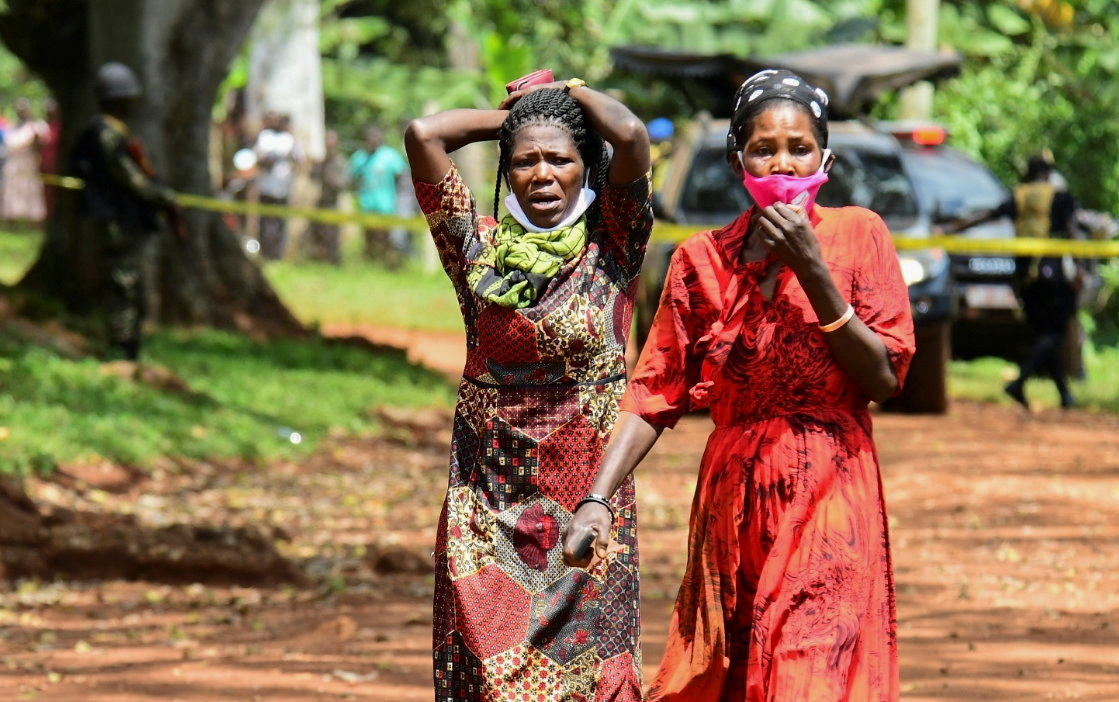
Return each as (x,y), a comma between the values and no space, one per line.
(511,99)
(589,521)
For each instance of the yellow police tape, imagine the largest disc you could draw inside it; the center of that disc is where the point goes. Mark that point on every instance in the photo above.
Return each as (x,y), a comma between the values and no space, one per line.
(662,231)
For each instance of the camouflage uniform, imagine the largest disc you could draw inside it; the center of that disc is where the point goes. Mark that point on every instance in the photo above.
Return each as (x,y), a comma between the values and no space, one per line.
(119,209)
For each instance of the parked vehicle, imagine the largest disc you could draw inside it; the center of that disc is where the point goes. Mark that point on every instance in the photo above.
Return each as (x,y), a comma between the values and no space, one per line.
(988,317)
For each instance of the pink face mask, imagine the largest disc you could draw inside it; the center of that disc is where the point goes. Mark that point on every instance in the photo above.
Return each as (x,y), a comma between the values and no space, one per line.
(791,190)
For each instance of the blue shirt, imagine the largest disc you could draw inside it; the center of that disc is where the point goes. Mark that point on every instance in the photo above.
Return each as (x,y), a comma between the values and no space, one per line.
(376,175)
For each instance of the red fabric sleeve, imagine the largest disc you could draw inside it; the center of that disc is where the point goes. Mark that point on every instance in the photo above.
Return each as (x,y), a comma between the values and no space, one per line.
(452,217)
(658,390)
(881,298)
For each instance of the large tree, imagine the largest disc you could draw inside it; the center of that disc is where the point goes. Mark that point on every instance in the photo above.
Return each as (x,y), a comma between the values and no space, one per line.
(181,50)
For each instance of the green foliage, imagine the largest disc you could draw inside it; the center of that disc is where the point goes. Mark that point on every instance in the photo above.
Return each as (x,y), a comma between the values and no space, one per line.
(16,81)
(18,250)
(245,399)
(1028,84)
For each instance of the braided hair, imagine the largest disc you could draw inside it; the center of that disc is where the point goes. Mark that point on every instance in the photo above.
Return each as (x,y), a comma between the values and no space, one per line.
(555,108)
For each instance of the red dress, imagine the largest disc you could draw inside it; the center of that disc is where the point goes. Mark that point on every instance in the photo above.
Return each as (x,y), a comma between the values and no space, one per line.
(538,399)
(788,593)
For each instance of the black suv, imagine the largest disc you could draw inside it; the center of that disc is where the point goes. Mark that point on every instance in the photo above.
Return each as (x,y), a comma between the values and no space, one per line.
(700,189)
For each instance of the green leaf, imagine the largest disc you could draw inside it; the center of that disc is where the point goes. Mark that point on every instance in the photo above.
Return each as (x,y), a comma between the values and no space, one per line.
(1007,20)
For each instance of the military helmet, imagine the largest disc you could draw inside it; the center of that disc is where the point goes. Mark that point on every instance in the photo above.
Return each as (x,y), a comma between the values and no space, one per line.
(115,81)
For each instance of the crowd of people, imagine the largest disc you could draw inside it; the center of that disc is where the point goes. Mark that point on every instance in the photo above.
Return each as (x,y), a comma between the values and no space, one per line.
(265,167)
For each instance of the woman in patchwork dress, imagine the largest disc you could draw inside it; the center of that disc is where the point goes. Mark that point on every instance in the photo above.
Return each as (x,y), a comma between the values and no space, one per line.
(546,294)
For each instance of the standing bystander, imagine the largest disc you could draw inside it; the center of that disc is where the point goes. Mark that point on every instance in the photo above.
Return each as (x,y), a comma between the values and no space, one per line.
(375,171)
(49,156)
(324,239)
(278,153)
(21,191)
(1041,208)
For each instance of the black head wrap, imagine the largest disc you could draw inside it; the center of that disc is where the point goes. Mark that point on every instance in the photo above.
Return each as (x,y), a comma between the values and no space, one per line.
(772,84)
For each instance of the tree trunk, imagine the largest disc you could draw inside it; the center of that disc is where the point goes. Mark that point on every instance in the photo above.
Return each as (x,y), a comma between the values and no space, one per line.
(181,51)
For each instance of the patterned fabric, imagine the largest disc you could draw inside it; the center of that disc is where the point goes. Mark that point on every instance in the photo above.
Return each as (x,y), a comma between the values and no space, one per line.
(21,191)
(538,399)
(516,268)
(772,84)
(788,592)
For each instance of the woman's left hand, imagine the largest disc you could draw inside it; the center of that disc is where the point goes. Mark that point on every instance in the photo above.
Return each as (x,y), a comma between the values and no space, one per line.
(787,233)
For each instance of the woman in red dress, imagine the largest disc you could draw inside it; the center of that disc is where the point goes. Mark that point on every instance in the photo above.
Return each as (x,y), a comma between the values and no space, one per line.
(547,298)
(786,323)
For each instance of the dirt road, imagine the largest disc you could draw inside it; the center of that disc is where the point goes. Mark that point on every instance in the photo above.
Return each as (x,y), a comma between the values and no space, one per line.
(1005,535)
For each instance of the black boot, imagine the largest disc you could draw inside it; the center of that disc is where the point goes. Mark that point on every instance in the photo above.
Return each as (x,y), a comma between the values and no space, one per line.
(1014,389)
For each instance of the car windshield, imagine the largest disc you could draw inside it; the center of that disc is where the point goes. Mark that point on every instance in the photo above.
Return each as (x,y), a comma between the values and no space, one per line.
(951,185)
(867,178)
(713,192)
(871,179)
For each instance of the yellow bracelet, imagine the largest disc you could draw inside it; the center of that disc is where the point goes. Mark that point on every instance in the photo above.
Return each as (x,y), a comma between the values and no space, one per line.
(826,328)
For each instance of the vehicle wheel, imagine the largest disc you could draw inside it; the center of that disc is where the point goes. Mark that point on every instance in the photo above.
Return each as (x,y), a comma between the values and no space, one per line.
(926,386)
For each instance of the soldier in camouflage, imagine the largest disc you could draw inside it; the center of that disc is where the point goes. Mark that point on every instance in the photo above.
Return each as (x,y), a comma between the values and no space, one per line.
(120,205)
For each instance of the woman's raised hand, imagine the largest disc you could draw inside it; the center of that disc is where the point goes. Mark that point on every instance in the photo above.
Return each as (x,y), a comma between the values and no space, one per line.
(787,232)
(512,98)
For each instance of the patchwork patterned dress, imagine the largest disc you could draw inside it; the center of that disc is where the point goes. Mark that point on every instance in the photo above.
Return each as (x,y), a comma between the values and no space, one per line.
(538,398)
(788,593)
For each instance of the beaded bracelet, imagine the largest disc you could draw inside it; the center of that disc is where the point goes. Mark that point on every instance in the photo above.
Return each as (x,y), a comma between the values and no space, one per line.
(597,499)
(846,317)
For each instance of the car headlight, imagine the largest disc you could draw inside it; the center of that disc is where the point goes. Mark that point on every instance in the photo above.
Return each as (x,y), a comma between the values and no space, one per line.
(920,265)
(912,270)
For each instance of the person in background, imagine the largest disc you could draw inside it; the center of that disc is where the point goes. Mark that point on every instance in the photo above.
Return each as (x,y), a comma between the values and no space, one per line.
(3,153)
(21,189)
(786,323)
(546,294)
(119,206)
(661,131)
(375,171)
(323,238)
(49,156)
(278,153)
(1048,285)
(1072,348)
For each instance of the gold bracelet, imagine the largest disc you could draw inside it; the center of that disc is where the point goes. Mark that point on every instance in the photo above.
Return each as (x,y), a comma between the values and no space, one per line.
(827,328)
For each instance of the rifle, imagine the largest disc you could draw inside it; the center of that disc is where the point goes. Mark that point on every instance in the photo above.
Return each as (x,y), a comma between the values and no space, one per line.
(173,214)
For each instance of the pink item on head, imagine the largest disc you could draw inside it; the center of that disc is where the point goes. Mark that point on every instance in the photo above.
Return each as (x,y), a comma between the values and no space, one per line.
(544,75)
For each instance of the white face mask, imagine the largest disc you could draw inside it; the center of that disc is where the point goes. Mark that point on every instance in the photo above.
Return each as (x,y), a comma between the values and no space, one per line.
(586,198)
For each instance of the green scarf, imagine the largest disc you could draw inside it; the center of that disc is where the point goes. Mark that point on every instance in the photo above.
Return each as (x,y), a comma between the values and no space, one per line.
(514,271)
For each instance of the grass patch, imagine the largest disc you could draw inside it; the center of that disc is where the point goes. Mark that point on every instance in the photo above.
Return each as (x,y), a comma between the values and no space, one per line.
(418,296)
(983,379)
(357,292)
(246,398)
(360,293)
(18,249)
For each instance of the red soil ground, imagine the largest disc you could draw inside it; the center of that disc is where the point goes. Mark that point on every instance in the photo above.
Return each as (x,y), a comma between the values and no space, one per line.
(1005,540)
